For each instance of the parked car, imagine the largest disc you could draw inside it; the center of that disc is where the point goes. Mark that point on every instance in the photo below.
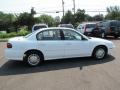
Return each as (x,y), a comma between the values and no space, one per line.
(55,43)
(66,25)
(89,29)
(39,26)
(110,28)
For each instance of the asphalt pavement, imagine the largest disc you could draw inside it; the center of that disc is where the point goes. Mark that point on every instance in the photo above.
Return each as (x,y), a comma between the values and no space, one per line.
(64,74)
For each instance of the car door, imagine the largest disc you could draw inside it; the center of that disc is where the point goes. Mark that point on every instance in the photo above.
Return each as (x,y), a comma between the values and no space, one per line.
(50,43)
(75,44)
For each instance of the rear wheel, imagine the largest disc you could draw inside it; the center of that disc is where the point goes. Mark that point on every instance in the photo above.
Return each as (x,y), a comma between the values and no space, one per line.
(33,58)
(99,52)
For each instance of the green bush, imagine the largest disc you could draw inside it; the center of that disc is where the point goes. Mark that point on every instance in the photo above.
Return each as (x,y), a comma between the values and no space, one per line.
(9,35)
(23,31)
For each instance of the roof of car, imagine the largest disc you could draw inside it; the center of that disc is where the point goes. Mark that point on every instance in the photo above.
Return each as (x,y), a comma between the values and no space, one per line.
(53,28)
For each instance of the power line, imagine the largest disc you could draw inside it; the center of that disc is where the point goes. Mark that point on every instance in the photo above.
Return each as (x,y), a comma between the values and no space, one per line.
(63,7)
(74,6)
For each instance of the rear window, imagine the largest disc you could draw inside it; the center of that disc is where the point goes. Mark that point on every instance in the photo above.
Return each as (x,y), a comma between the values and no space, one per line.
(91,25)
(68,26)
(39,27)
(117,23)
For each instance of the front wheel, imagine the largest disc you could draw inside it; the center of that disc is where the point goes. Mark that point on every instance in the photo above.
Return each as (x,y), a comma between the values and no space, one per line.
(99,52)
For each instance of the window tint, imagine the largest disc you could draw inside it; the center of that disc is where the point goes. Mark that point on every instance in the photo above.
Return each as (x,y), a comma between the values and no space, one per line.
(71,35)
(67,25)
(90,25)
(49,35)
(115,23)
(39,27)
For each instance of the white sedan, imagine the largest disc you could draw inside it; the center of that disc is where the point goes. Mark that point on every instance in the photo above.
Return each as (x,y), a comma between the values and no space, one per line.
(56,43)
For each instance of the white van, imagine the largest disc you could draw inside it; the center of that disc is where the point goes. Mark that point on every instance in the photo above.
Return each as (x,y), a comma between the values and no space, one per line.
(39,26)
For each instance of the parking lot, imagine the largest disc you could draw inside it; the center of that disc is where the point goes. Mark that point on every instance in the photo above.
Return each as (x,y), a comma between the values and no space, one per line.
(65,74)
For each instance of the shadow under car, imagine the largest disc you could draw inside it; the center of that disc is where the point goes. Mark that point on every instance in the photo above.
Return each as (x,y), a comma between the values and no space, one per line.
(17,68)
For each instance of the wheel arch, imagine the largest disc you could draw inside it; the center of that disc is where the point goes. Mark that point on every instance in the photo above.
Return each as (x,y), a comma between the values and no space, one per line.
(33,50)
(100,46)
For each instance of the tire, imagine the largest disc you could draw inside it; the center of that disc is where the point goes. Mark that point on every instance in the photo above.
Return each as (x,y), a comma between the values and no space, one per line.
(99,52)
(33,58)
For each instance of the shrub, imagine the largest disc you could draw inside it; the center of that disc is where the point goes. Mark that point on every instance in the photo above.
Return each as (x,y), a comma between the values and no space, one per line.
(9,35)
(23,31)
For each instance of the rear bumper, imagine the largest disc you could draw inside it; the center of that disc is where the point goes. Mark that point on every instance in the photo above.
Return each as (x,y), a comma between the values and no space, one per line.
(13,55)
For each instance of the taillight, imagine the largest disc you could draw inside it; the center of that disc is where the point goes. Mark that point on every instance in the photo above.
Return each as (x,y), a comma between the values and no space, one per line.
(9,45)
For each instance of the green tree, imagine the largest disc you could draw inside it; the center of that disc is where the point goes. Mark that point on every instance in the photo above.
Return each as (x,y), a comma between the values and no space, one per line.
(47,19)
(98,17)
(6,21)
(57,20)
(68,18)
(80,15)
(25,19)
(113,13)
(88,18)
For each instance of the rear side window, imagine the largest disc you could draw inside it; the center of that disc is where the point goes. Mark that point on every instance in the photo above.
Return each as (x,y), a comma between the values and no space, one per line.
(91,25)
(49,35)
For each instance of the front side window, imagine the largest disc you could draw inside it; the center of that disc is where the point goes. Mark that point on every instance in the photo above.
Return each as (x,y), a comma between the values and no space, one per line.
(49,35)
(71,35)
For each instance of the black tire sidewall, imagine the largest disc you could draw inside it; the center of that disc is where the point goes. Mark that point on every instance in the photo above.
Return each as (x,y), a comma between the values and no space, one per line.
(96,49)
(28,54)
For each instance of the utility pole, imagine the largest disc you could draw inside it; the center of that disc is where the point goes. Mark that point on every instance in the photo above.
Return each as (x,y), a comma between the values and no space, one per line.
(63,8)
(74,6)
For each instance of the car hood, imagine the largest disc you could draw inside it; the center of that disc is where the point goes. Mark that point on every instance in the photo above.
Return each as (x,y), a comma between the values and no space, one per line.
(100,40)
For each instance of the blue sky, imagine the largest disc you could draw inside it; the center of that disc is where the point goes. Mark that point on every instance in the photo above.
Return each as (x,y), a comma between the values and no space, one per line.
(17,6)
